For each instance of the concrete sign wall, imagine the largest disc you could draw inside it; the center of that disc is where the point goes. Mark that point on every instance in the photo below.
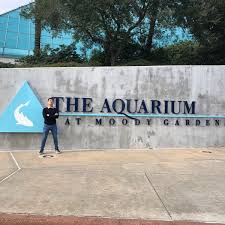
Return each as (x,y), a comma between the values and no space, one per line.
(115,107)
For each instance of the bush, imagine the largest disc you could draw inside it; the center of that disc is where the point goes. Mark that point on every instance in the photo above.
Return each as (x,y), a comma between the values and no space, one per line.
(48,56)
(139,62)
(6,65)
(183,53)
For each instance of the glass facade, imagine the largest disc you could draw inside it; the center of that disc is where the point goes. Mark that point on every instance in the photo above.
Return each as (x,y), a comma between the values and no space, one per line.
(17,36)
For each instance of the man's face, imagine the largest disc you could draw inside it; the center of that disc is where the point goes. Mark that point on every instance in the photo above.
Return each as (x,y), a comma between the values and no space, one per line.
(50,102)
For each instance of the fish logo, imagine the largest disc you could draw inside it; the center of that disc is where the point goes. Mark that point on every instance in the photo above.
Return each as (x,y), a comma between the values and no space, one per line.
(23,113)
(20,118)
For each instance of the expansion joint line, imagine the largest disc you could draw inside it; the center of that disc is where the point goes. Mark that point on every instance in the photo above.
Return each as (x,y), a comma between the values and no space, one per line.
(13,173)
(160,199)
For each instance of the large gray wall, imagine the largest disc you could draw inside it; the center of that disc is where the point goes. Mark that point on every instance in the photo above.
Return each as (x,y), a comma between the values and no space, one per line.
(203,84)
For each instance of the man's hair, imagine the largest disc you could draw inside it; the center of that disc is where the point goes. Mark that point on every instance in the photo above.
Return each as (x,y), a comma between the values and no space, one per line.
(51,99)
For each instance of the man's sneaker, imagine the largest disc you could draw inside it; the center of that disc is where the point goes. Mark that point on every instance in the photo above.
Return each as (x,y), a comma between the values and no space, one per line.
(41,153)
(57,151)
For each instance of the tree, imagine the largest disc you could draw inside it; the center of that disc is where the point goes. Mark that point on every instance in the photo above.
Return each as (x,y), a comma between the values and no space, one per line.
(43,13)
(159,18)
(153,13)
(110,24)
(205,19)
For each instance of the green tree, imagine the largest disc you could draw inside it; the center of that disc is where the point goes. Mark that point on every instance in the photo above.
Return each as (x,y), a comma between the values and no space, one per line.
(110,24)
(152,16)
(43,13)
(206,20)
(159,18)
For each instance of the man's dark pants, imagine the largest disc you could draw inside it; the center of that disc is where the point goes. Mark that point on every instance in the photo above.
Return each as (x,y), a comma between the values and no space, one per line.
(46,129)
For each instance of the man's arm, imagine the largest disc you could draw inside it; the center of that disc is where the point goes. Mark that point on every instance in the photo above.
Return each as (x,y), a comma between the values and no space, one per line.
(56,114)
(44,113)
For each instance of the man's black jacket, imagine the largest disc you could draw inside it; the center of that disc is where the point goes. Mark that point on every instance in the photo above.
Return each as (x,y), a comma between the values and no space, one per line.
(50,115)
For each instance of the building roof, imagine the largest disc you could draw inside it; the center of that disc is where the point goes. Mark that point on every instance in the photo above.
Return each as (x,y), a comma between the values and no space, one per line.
(12,10)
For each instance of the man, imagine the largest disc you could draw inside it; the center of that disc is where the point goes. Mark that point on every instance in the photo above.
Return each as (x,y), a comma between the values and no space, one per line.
(50,115)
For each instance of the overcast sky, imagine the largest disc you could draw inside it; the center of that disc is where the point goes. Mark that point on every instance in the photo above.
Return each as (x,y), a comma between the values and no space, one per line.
(7,5)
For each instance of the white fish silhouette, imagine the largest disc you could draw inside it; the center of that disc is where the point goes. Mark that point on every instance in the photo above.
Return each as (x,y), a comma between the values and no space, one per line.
(21,119)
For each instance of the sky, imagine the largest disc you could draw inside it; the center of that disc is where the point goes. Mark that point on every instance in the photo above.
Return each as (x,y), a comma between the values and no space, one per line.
(7,5)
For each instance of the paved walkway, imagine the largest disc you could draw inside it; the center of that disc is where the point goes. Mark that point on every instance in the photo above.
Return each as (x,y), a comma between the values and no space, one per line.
(138,185)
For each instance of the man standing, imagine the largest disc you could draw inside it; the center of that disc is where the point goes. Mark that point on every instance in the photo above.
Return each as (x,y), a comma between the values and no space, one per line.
(50,115)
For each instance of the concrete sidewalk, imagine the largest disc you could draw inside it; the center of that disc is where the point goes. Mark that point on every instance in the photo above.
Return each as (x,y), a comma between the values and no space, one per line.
(166,185)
